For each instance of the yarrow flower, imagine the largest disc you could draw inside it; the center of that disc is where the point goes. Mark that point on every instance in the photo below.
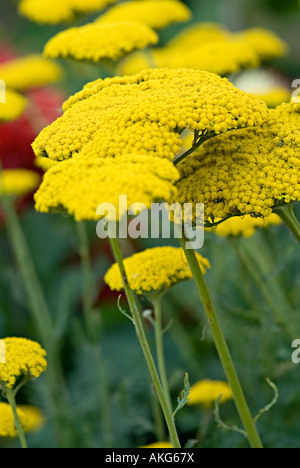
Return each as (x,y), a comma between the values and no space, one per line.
(18,182)
(245,226)
(80,184)
(155,13)
(251,171)
(211,48)
(59,11)
(31,419)
(207,392)
(157,445)
(146,113)
(95,42)
(264,84)
(13,108)
(153,270)
(29,72)
(23,358)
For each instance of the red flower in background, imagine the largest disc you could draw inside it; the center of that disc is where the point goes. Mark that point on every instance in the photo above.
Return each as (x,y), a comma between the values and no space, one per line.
(16,137)
(44,106)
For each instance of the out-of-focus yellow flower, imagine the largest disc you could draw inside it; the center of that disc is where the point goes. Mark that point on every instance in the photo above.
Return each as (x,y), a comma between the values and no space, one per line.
(246,172)
(95,42)
(245,226)
(23,358)
(211,48)
(146,113)
(155,13)
(18,182)
(31,419)
(264,84)
(153,270)
(157,445)
(44,163)
(14,106)
(29,72)
(80,184)
(207,392)
(59,11)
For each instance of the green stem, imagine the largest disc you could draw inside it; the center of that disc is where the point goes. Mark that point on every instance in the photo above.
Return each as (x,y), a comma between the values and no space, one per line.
(203,139)
(223,349)
(255,263)
(91,331)
(38,308)
(158,416)
(160,350)
(9,394)
(287,214)
(135,311)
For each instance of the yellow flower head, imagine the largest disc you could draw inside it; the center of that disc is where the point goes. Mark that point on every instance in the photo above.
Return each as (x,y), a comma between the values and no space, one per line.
(157,445)
(18,182)
(266,44)
(95,42)
(207,392)
(31,419)
(59,11)
(44,163)
(155,13)
(23,358)
(29,72)
(246,172)
(14,106)
(80,184)
(154,270)
(275,96)
(146,114)
(245,226)
(212,48)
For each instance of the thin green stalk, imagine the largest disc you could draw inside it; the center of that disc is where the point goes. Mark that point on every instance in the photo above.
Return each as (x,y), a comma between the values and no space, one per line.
(135,311)
(158,416)
(38,308)
(288,216)
(10,395)
(223,349)
(160,350)
(197,143)
(91,331)
(255,263)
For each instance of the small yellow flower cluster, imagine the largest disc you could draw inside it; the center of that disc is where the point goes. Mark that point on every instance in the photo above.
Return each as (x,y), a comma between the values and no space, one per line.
(59,11)
(207,392)
(95,42)
(154,270)
(246,172)
(155,13)
(157,445)
(116,114)
(23,358)
(80,184)
(18,182)
(14,106)
(44,163)
(245,226)
(276,96)
(210,47)
(31,419)
(28,72)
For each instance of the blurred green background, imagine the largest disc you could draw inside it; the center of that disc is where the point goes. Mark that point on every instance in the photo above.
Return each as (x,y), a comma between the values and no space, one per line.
(259,346)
